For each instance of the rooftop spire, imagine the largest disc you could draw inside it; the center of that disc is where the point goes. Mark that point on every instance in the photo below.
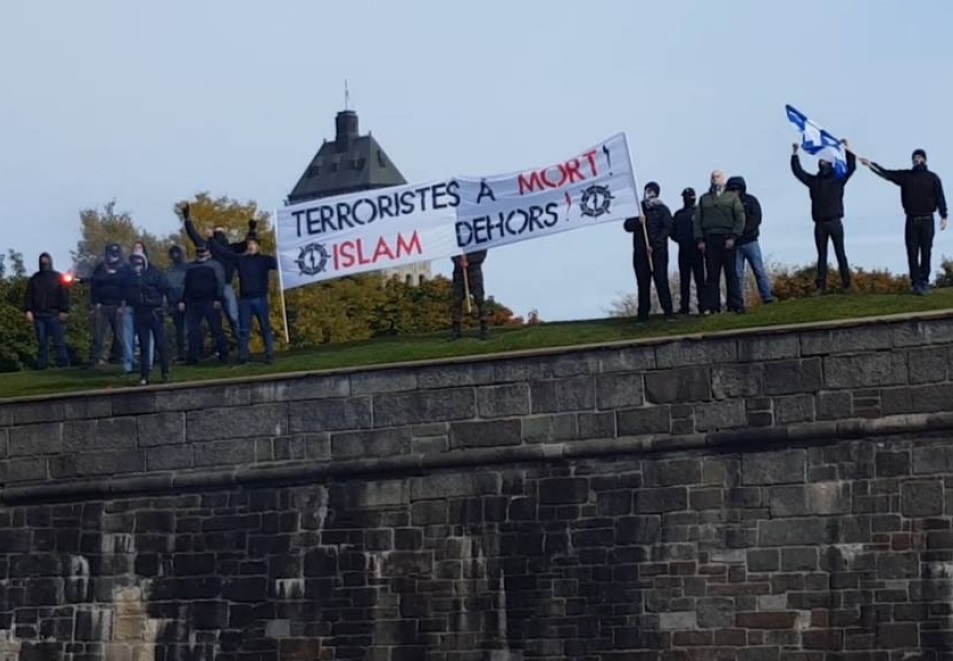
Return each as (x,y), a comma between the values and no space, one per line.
(347,96)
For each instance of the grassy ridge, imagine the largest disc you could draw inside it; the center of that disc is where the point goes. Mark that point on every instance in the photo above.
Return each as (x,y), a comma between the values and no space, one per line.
(428,347)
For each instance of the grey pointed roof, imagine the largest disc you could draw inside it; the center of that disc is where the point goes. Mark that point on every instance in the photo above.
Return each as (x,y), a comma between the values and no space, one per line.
(349,163)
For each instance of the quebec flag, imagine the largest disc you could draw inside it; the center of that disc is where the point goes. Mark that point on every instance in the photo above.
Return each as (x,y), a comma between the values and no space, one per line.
(818,142)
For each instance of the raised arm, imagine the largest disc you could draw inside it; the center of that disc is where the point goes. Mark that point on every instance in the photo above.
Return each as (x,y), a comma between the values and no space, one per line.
(893,176)
(851,165)
(799,172)
(224,252)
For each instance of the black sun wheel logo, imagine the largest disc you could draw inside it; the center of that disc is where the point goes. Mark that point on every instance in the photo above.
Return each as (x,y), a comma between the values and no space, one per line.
(596,201)
(312,259)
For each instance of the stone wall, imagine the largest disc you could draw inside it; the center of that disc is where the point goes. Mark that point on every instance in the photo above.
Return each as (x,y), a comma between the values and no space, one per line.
(783,496)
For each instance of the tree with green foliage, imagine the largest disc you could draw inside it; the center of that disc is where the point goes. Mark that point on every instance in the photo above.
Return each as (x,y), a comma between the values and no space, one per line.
(99,228)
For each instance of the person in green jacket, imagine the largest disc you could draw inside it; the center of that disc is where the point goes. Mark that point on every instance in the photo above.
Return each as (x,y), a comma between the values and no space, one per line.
(719,221)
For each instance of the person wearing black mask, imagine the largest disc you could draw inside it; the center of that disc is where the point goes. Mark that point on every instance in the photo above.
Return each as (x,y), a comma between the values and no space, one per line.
(650,262)
(218,237)
(105,293)
(176,278)
(145,292)
(201,299)
(47,307)
(691,262)
(253,270)
(827,211)
(921,193)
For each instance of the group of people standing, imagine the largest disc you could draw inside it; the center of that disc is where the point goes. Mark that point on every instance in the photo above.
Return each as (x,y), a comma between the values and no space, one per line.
(130,298)
(718,235)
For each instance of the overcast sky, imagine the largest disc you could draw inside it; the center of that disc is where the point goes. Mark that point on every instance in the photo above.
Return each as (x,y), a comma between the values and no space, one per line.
(148,103)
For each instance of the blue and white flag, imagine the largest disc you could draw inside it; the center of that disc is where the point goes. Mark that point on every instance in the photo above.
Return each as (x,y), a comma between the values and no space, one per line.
(818,142)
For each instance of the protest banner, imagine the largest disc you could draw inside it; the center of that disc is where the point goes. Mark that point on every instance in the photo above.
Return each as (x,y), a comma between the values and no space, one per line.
(388,227)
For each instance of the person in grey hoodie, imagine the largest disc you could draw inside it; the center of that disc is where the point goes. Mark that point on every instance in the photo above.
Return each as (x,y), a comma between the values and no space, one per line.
(176,279)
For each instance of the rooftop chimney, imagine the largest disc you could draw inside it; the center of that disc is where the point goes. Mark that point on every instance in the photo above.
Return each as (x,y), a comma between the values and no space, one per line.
(346,123)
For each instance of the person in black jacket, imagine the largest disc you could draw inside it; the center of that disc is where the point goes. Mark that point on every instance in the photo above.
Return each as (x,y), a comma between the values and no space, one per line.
(105,293)
(47,307)
(217,236)
(691,261)
(202,296)
(658,227)
(747,247)
(827,211)
(253,270)
(470,264)
(921,193)
(145,292)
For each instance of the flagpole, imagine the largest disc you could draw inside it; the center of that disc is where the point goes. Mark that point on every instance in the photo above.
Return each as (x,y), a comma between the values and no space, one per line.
(281,283)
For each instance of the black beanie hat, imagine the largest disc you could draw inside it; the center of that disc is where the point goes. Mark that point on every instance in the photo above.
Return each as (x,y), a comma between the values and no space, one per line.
(654,187)
(919,152)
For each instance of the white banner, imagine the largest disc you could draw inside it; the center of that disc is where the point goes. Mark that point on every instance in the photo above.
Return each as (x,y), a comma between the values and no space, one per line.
(387,227)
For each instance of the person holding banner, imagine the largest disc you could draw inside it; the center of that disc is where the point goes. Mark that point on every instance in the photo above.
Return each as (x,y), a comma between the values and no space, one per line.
(827,211)
(921,193)
(467,282)
(650,252)
(719,222)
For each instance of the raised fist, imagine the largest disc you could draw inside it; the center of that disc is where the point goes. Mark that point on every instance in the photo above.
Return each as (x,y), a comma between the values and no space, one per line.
(252,224)
(182,210)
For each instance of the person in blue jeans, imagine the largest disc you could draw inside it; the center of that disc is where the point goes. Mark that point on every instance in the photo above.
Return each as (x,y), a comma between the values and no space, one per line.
(130,337)
(253,270)
(47,307)
(747,248)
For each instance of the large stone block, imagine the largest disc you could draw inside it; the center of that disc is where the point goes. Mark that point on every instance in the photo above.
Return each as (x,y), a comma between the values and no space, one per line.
(678,386)
(743,380)
(788,377)
(619,390)
(759,348)
(696,352)
(321,386)
(384,381)
(161,429)
(201,398)
(413,408)
(324,415)
(549,428)
(502,401)
(489,433)
(647,420)
(921,498)
(238,422)
(865,370)
(371,444)
(84,408)
(446,485)
(110,463)
(225,453)
(869,337)
(933,459)
(455,376)
(766,468)
(927,365)
(26,413)
(816,498)
(672,472)
(628,359)
(563,395)
(923,331)
(25,469)
(103,434)
(835,405)
(794,408)
(597,425)
(38,439)
(725,414)
(917,399)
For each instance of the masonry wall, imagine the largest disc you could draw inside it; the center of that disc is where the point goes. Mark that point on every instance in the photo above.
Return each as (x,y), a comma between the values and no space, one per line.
(755,496)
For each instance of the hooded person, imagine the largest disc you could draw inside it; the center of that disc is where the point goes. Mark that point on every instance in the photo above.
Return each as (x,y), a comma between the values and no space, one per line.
(47,307)
(218,237)
(691,262)
(130,337)
(827,211)
(145,293)
(747,247)
(718,222)
(105,293)
(253,270)
(921,194)
(176,278)
(650,261)
(201,300)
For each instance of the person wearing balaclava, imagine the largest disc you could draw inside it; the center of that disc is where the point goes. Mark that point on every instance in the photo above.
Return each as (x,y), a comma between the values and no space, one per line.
(827,211)
(719,221)
(145,293)
(650,261)
(921,194)
(218,238)
(201,300)
(176,277)
(105,294)
(47,307)
(691,263)
(130,338)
